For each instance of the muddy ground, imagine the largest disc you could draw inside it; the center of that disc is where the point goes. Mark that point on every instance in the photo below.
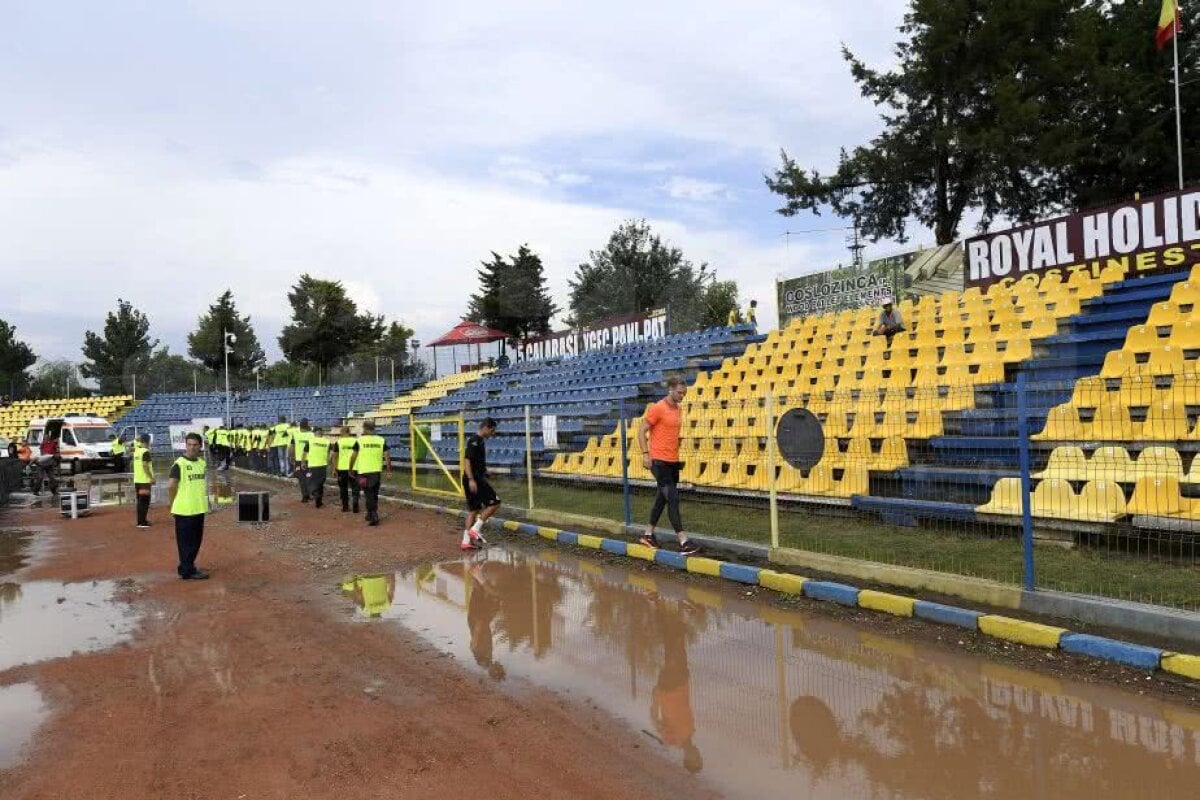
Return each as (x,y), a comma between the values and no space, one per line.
(259,683)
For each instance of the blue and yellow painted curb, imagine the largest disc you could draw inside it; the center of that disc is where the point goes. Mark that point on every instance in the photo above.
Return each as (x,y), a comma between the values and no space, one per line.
(1019,631)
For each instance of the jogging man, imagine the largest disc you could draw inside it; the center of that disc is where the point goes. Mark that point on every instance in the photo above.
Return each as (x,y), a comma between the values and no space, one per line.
(366,465)
(661,427)
(316,465)
(143,478)
(346,484)
(188,488)
(482,501)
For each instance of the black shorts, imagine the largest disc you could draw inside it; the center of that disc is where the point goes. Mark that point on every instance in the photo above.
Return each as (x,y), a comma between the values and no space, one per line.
(666,473)
(486,497)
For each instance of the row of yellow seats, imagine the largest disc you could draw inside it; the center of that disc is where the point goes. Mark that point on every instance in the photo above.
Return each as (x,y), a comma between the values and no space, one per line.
(1164,421)
(1146,338)
(1094,391)
(921,424)
(1114,463)
(423,396)
(1097,501)
(953,380)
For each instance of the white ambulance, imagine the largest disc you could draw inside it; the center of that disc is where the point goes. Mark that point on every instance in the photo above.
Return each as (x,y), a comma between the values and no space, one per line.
(84,441)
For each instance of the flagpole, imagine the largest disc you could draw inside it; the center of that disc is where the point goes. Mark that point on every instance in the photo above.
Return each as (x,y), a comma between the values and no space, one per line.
(1178,122)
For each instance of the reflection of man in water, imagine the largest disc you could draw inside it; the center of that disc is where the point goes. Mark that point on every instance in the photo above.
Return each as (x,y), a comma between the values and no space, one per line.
(482,610)
(373,594)
(671,701)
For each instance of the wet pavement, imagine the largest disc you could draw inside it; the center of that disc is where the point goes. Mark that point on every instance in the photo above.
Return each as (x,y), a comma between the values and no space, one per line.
(23,711)
(761,701)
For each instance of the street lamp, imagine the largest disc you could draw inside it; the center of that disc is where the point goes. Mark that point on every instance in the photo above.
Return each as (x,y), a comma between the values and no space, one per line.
(229,340)
(416,344)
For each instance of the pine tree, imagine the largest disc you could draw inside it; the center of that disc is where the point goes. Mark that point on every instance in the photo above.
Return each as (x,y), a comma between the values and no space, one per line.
(204,343)
(513,296)
(112,359)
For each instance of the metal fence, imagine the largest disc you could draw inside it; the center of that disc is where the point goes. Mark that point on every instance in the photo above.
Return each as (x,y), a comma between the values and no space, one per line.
(1084,485)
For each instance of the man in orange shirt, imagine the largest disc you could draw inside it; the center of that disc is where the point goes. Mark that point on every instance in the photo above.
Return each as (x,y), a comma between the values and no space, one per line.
(659,437)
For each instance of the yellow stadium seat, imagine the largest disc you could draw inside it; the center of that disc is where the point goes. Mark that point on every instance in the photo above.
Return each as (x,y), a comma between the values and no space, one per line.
(1165,421)
(1156,497)
(1112,423)
(1067,462)
(1118,363)
(1053,497)
(1099,501)
(1062,424)
(1186,335)
(1186,293)
(1111,463)
(1163,314)
(1005,499)
(1159,460)
(1142,339)
(819,481)
(1090,392)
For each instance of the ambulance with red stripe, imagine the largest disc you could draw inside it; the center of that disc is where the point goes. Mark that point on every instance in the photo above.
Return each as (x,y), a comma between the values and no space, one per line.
(84,441)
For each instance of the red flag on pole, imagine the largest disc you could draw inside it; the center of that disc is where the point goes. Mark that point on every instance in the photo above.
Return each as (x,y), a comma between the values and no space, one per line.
(1168,23)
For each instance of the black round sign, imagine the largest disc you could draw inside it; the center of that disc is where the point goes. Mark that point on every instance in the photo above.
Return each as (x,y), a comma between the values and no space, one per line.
(801,438)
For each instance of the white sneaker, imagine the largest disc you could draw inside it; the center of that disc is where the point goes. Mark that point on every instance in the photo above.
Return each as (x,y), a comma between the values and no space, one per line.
(476,536)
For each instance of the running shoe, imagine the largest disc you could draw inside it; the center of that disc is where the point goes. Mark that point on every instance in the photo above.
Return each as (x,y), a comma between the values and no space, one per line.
(469,546)
(477,537)
(648,540)
(689,548)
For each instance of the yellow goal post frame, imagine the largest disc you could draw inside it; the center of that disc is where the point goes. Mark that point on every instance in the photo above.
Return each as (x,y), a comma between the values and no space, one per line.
(453,477)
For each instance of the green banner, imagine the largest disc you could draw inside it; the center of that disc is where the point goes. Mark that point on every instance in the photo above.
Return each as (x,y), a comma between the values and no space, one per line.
(843,287)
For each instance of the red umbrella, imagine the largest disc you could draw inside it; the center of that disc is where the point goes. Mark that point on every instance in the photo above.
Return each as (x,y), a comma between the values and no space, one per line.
(467,332)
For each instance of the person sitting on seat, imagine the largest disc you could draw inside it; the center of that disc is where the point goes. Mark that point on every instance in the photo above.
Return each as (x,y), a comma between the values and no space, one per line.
(890,322)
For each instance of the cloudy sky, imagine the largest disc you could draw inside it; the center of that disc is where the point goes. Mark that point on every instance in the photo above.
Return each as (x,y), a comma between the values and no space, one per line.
(163,151)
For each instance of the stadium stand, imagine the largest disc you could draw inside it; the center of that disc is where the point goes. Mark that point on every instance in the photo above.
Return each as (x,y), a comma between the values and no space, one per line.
(584,392)
(14,419)
(418,398)
(322,405)
(927,428)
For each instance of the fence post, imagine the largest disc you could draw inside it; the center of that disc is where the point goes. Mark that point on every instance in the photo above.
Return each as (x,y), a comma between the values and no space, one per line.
(625,464)
(1023,448)
(412,449)
(528,458)
(771,464)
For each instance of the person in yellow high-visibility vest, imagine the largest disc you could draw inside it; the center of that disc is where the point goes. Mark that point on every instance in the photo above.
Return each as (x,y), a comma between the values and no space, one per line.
(316,465)
(280,441)
(188,489)
(367,465)
(118,453)
(344,449)
(143,478)
(300,438)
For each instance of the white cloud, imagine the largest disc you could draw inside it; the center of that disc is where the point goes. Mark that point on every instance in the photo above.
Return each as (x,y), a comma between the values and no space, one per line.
(696,190)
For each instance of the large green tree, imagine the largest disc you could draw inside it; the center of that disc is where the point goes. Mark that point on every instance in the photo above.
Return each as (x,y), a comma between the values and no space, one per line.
(112,359)
(635,273)
(204,343)
(165,371)
(1013,108)
(377,357)
(513,296)
(54,379)
(720,297)
(16,358)
(326,325)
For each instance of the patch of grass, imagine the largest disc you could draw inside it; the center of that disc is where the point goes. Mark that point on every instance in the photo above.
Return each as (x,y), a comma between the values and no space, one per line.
(994,555)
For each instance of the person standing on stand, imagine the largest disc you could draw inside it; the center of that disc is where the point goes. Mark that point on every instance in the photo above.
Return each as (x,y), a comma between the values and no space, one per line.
(366,465)
(143,478)
(344,446)
(316,465)
(188,489)
(661,426)
(300,439)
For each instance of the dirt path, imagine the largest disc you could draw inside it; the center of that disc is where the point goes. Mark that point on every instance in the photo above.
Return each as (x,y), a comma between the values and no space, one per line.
(259,684)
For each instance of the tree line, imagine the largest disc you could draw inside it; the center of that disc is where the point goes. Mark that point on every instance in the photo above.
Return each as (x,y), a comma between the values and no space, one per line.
(327,340)
(634,273)
(1014,109)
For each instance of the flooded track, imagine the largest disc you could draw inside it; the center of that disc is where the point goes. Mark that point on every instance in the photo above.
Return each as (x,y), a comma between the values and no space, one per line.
(761,701)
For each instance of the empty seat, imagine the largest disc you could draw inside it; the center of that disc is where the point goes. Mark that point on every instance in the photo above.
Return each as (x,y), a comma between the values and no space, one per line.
(1062,423)
(1005,499)
(1067,462)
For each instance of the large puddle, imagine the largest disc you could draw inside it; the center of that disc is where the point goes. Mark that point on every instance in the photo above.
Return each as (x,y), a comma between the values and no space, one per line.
(770,703)
(40,620)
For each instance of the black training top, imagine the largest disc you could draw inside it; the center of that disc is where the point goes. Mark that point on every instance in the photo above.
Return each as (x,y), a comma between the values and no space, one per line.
(476,453)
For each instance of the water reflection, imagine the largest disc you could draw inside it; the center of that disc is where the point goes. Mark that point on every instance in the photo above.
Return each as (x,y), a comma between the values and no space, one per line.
(22,710)
(766,701)
(40,620)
